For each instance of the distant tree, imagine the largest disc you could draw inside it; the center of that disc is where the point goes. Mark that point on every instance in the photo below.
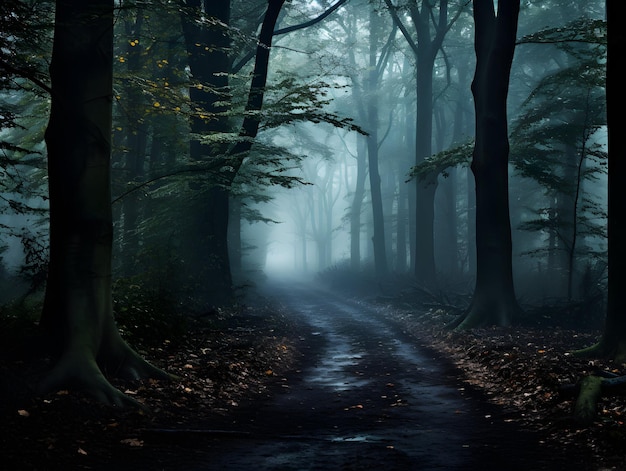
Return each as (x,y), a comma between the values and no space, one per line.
(25,32)
(205,247)
(431,23)
(360,97)
(494,300)
(77,313)
(554,142)
(375,67)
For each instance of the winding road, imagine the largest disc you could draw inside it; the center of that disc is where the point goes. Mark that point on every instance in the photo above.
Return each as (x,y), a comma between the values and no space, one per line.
(371,398)
(367,396)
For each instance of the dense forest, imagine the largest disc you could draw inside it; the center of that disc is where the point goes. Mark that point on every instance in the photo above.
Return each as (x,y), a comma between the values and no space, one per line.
(161,160)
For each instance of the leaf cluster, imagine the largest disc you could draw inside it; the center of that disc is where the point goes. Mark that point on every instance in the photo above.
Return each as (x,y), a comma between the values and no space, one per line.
(440,163)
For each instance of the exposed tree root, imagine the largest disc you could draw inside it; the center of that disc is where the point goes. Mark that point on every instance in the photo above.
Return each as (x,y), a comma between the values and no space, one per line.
(118,359)
(603,349)
(486,315)
(589,391)
(78,369)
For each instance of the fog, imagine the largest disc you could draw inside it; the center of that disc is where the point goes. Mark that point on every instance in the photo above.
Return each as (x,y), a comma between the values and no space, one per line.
(328,187)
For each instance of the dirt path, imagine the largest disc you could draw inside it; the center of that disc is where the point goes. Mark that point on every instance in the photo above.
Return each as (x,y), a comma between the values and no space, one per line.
(366,397)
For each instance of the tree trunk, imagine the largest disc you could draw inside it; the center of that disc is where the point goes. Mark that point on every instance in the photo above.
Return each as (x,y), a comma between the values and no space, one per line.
(357,203)
(205,245)
(136,130)
(378,238)
(401,224)
(613,341)
(494,299)
(77,313)
(425,270)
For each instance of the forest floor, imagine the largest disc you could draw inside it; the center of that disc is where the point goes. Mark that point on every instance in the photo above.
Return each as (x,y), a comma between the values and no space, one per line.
(523,371)
(231,359)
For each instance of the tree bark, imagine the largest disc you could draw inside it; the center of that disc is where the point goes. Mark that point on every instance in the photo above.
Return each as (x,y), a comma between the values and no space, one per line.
(77,314)
(425,50)
(613,341)
(494,299)
(378,239)
(205,245)
(357,203)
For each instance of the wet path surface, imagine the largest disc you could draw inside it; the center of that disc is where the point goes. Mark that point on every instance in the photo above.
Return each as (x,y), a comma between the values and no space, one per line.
(367,396)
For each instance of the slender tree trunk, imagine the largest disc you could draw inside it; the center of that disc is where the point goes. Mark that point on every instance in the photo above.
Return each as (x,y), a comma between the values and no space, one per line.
(234,236)
(77,313)
(494,299)
(566,224)
(205,245)
(471,222)
(357,203)
(426,188)
(378,238)
(136,130)
(613,341)
(401,224)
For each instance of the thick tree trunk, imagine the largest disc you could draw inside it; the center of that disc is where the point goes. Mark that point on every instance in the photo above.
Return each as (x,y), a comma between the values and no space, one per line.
(77,313)
(494,299)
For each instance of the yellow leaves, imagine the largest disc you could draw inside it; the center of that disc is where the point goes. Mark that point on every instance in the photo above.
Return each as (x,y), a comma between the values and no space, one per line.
(156,104)
(133,42)
(122,59)
(133,442)
(357,406)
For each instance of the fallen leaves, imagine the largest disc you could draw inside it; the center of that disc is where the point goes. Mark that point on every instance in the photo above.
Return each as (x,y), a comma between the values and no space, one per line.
(522,369)
(220,367)
(132,442)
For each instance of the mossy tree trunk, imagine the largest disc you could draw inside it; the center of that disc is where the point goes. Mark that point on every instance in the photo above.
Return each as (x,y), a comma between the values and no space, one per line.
(77,313)
(494,299)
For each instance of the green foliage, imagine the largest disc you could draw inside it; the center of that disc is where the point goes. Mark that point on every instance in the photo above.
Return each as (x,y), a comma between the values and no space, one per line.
(25,34)
(439,163)
(582,30)
(558,140)
(291,100)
